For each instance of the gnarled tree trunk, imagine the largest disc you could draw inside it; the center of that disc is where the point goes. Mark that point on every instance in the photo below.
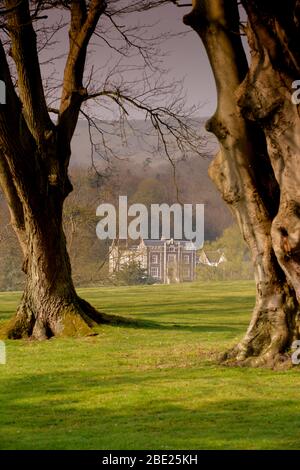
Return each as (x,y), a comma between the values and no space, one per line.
(245,174)
(34,160)
(49,305)
(266,98)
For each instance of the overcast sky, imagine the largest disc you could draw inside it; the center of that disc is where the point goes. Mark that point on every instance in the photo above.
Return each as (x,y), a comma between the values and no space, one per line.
(188,59)
(185,56)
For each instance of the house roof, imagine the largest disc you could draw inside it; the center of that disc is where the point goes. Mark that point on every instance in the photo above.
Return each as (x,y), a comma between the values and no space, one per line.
(212,258)
(187,245)
(125,244)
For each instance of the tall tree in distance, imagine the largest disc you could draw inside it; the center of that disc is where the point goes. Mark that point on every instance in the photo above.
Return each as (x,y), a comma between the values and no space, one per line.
(257,168)
(35,148)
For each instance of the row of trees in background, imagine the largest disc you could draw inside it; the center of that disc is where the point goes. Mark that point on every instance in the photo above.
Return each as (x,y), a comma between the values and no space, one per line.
(238,264)
(88,254)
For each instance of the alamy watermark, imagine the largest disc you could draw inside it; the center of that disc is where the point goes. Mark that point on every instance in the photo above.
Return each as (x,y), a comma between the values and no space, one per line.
(296,94)
(296,353)
(2,353)
(135,222)
(2,92)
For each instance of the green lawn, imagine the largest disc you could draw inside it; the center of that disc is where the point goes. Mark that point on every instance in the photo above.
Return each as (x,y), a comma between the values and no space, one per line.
(154,386)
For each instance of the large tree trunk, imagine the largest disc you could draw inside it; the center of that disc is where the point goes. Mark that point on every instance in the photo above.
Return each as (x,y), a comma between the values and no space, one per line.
(34,158)
(266,97)
(49,305)
(243,173)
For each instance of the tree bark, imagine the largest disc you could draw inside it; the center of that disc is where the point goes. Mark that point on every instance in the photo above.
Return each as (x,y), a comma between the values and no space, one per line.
(34,161)
(49,305)
(266,97)
(243,173)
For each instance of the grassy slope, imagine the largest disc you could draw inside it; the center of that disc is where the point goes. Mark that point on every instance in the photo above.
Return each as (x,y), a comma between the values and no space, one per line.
(152,387)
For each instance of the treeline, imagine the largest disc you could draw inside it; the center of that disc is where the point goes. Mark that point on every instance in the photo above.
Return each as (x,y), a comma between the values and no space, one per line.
(146,183)
(238,265)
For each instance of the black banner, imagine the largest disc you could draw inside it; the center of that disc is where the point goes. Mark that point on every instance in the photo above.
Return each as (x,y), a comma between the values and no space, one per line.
(138,459)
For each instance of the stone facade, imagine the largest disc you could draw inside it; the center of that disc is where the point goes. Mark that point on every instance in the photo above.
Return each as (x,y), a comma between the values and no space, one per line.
(167,261)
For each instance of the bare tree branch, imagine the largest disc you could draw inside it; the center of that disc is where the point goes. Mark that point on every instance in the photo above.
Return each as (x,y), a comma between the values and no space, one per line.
(25,55)
(83,24)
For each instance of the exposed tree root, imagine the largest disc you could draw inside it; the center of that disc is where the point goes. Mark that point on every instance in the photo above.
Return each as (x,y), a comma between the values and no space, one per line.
(265,344)
(273,328)
(269,359)
(74,319)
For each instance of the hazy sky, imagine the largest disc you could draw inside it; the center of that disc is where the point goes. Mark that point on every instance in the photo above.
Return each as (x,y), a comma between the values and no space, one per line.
(188,58)
(185,55)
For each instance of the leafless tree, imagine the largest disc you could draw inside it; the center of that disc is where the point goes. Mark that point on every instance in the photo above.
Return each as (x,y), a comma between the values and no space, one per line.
(38,122)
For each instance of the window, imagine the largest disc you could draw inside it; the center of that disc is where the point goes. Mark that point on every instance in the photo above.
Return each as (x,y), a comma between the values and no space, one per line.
(154,259)
(186,259)
(154,273)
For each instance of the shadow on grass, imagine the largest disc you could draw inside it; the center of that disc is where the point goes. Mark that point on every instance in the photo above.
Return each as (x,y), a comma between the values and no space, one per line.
(227,304)
(39,415)
(197,314)
(124,322)
(192,328)
(195,309)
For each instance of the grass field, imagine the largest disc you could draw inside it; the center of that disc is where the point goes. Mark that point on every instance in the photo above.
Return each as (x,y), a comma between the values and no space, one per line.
(154,386)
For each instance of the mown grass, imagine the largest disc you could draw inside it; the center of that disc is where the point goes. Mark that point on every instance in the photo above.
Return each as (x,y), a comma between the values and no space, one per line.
(152,386)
